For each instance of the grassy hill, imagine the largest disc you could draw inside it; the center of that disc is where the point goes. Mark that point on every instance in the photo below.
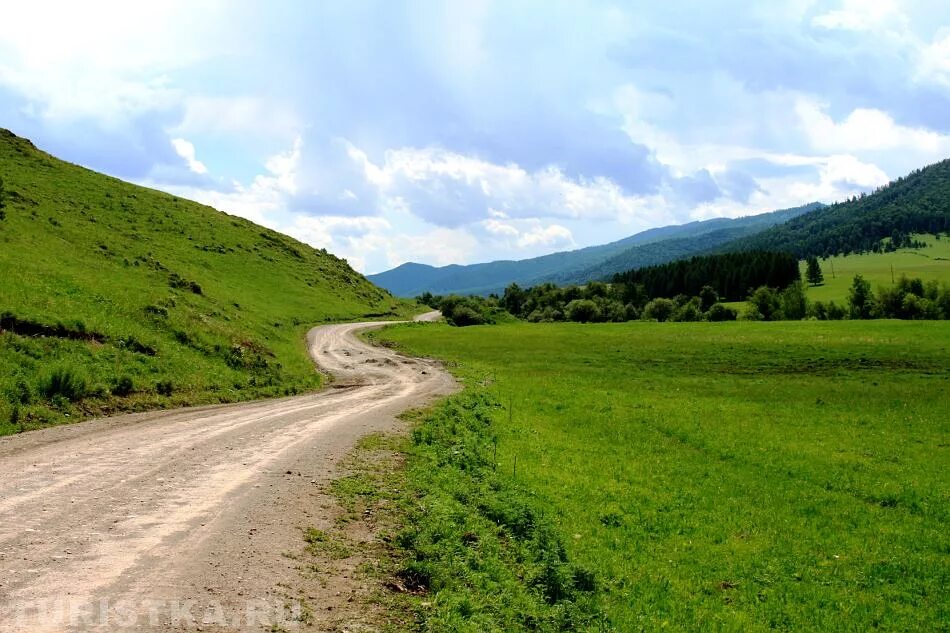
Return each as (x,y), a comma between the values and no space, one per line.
(649,247)
(916,203)
(116,297)
(882,269)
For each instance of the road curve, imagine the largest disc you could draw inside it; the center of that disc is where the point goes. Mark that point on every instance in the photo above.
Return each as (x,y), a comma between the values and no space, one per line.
(115,523)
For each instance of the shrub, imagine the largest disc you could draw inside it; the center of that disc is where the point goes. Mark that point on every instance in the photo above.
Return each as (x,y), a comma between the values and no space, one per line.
(65,382)
(720,312)
(708,297)
(861,299)
(22,392)
(794,302)
(464,311)
(98,391)
(613,311)
(818,311)
(583,311)
(659,310)
(689,311)
(123,386)
(177,281)
(155,310)
(767,302)
(836,312)
(943,301)
(464,315)
(164,387)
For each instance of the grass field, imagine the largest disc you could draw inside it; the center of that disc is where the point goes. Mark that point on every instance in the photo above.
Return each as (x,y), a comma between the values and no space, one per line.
(882,269)
(116,297)
(732,476)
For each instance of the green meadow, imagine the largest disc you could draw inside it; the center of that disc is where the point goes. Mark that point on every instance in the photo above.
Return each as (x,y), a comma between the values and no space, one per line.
(703,476)
(882,269)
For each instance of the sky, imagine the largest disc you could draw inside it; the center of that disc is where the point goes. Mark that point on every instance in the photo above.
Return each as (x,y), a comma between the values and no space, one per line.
(458,132)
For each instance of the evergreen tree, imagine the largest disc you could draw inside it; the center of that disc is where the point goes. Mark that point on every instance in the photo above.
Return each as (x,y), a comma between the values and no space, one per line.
(813,273)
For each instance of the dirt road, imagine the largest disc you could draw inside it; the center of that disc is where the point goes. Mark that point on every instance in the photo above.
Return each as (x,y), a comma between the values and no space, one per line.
(184,519)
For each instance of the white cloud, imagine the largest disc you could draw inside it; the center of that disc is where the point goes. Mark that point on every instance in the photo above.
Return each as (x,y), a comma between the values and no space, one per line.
(866,129)
(501,229)
(553,236)
(441,186)
(105,60)
(440,247)
(934,64)
(352,238)
(529,234)
(238,115)
(263,201)
(861,15)
(837,177)
(187,151)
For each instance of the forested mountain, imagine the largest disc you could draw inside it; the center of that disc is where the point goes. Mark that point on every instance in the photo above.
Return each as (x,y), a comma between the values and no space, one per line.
(719,232)
(650,247)
(916,203)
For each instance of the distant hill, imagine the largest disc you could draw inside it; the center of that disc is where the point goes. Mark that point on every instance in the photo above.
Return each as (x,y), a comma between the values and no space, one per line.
(114,296)
(702,238)
(916,203)
(654,246)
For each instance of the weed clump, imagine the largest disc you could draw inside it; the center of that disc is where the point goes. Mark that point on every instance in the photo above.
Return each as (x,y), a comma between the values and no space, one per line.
(164,387)
(123,386)
(64,382)
(178,282)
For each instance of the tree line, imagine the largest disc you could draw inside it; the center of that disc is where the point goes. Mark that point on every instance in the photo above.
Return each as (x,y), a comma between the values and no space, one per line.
(687,290)
(730,275)
(632,299)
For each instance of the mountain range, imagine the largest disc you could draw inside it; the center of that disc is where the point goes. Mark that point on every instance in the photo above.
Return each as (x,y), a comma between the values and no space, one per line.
(654,246)
(916,203)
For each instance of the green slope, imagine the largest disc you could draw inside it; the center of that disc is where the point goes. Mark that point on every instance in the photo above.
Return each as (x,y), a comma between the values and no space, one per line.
(117,297)
(882,269)
(654,246)
(916,203)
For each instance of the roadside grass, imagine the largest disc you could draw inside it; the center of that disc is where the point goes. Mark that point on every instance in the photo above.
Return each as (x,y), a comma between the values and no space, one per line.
(711,476)
(135,299)
(463,548)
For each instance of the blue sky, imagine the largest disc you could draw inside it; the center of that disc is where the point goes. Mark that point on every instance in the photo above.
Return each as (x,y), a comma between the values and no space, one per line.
(456,132)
